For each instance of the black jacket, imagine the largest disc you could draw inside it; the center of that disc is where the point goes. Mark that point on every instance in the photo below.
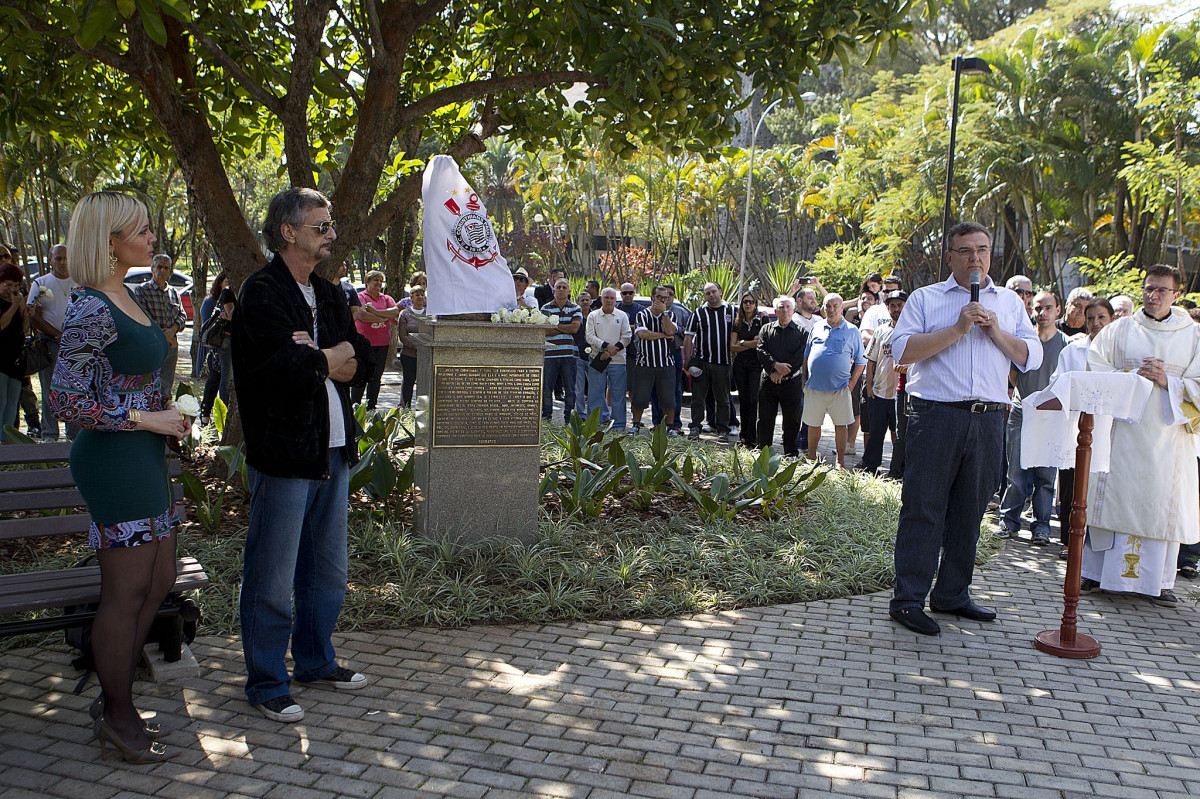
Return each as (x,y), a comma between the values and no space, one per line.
(280,385)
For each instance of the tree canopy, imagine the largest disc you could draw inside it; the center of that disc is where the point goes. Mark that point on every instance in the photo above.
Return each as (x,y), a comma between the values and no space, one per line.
(347,93)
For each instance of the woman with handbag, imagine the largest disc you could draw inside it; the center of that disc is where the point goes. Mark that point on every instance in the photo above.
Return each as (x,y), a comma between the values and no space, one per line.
(217,312)
(106,383)
(12,342)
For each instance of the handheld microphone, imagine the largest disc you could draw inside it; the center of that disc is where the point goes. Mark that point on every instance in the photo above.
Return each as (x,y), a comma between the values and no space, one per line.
(974,276)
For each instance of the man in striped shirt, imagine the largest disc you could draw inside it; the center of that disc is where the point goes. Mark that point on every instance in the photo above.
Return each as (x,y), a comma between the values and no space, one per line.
(959,352)
(706,357)
(161,303)
(561,356)
(655,329)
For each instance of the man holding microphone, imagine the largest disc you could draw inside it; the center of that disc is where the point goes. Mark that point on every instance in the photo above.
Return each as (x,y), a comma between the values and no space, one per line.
(959,338)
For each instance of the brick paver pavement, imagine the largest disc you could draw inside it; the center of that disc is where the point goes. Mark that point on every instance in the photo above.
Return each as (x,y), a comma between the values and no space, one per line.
(819,698)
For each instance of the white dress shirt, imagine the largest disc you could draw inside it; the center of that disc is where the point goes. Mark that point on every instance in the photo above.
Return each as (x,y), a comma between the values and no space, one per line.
(972,368)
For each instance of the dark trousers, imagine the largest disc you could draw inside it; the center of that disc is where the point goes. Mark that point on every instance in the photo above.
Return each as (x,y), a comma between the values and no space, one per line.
(710,404)
(717,376)
(371,382)
(771,398)
(408,379)
(656,415)
(896,470)
(881,413)
(946,492)
(746,377)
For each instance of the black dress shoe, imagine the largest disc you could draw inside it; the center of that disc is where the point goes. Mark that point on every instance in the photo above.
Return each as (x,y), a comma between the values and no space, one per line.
(915,620)
(968,611)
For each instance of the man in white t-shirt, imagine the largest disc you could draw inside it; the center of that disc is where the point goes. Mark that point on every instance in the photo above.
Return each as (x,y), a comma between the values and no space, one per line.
(48,297)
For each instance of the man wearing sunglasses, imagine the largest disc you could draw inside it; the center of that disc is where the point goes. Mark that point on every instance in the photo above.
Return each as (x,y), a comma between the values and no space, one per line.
(295,352)
(959,352)
(631,309)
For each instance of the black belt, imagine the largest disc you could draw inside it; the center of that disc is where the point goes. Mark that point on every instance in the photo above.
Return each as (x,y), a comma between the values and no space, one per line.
(974,406)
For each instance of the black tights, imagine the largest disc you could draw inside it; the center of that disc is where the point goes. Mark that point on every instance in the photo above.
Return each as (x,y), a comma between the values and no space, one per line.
(134,581)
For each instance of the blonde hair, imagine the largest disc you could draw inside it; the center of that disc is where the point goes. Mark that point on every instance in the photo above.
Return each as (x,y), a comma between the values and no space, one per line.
(375,273)
(97,218)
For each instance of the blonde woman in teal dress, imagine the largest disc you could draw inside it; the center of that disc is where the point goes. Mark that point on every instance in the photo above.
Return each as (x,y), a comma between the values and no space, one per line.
(106,381)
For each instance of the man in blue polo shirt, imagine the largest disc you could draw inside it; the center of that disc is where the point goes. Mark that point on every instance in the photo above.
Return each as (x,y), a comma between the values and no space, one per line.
(833,362)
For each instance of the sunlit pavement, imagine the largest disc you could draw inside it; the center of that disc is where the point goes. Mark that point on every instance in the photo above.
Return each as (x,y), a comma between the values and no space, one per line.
(821,698)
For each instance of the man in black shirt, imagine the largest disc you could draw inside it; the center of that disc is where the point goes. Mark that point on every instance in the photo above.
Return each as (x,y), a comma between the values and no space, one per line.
(545,294)
(781,347)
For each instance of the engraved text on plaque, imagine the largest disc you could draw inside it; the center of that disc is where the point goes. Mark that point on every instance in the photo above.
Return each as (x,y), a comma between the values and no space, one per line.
(491,406)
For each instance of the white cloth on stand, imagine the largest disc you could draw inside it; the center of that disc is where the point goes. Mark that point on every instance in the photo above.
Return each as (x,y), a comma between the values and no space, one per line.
(467,273)
(1048,438)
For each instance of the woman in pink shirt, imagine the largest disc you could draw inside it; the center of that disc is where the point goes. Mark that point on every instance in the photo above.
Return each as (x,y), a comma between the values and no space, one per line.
(379,312)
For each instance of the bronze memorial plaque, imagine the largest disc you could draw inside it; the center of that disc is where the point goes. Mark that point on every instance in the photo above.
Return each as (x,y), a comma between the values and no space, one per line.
(486,406)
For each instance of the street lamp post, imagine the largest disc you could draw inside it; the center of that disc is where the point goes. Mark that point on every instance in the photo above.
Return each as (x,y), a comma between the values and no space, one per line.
(962,66)
(807,97)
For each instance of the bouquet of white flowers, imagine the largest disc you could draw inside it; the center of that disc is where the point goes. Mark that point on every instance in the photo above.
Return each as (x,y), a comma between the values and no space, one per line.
(523,316)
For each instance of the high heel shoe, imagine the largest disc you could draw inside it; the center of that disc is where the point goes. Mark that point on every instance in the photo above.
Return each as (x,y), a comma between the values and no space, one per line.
(153,731)
(155,753)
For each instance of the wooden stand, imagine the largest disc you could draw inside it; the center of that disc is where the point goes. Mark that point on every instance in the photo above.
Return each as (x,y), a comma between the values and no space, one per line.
(1066,642)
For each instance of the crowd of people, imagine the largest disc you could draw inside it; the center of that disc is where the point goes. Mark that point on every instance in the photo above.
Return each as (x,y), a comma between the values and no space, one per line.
(943,370)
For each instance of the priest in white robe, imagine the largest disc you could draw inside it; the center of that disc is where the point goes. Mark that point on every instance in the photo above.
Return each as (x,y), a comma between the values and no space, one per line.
(1145,506)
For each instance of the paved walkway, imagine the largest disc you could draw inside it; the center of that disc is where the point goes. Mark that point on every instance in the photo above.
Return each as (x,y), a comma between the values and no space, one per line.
(805,700)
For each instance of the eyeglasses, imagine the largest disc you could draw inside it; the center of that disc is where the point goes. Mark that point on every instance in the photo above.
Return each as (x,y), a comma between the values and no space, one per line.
(1025,292)
(624,293)
(744,302)
(662,297)
(324,227)
(1159,291)
(967,252)
(520,279)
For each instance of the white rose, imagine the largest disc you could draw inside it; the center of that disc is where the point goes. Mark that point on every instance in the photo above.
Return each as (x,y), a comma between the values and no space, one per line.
(187,405)
(43,291)
(496,317)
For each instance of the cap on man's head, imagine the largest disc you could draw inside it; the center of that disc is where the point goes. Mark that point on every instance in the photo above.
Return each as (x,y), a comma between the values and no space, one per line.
(896,295)
(891,279)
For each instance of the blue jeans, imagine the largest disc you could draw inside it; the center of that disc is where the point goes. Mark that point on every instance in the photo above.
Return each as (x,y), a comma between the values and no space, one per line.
(554,367)
(295,545)
(1043,478)
(49,420)
(582,381)
(946,491)
(613,377)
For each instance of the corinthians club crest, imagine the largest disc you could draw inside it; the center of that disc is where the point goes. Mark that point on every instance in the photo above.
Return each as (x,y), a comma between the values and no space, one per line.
(472,239)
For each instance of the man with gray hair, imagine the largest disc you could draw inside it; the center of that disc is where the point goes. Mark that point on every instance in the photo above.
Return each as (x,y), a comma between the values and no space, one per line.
(833,362)
(295,353)
(1122,306)
(608,334)
(161,303)
(1073,322)
(48,297)
(1023,287)
(781,347)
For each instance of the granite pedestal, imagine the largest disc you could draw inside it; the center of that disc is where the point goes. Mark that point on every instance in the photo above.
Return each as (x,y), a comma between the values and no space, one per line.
(478,411)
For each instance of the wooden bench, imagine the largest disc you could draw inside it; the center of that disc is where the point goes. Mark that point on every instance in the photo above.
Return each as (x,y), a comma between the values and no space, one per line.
(45,484)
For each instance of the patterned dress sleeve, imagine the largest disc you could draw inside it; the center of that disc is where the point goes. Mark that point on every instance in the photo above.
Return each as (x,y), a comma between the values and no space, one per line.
(81,391)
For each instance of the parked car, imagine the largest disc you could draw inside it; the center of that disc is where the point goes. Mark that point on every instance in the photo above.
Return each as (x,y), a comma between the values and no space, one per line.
(178,280)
